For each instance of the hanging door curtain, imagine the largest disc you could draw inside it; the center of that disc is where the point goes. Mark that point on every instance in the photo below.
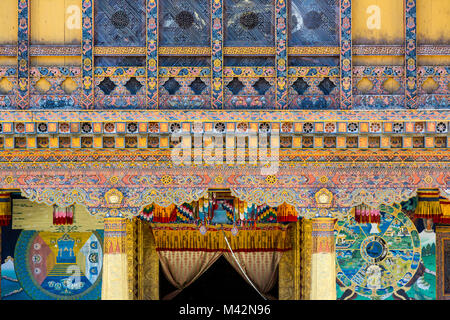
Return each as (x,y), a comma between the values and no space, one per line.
(182,268)
(259,267)
(185,254)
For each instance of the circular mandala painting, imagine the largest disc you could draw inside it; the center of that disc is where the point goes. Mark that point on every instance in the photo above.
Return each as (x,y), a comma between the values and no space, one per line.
(53,265)
(377,260)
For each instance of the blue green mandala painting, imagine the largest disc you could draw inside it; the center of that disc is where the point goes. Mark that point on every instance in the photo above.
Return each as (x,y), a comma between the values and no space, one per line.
(382,261)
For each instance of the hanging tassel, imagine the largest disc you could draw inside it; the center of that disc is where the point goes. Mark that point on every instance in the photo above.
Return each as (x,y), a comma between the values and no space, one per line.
(235,209)
(56,215)
(147,213)
(69,215)
(357,214)
(5,209)
(365,214)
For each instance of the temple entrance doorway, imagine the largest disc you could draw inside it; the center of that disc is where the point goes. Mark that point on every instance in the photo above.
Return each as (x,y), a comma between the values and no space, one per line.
(219,283)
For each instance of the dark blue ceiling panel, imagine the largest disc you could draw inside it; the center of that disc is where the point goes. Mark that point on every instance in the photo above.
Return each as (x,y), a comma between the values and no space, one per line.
(119,23)
(185,23)
(314,23)
(249,23)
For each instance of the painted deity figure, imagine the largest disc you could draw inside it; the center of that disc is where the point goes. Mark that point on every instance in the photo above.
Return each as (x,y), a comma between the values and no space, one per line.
(373,277)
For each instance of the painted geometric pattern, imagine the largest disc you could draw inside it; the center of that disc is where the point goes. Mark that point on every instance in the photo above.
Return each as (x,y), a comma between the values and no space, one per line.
(249,87)
(184,23)
(379,87)
(23,54)
(433,87)
(120,87)
(119,23)
(217,43)
(180,91)
(314,23)
(313,88)
(249,23)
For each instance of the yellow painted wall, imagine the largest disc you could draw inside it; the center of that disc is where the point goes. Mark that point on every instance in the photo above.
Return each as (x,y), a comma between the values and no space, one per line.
(55,61)
(8,21)
(55,22)
(378,61)
(8,61)
(388,29)
(433,22)
(433,60)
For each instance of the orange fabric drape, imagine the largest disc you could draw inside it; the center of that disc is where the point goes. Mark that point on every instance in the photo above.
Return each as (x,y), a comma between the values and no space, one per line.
(164,214)
(286,213)
(182,268)
(260,267)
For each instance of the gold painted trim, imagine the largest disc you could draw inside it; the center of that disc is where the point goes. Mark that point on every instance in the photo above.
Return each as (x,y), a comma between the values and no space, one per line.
(130,249)
(249,50)
(140,259)
(184,51)
(313,51)
(120,51)
(269,115)
(305,259)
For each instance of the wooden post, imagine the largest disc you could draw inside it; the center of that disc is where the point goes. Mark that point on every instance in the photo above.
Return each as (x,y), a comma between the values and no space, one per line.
(323,264)
(115,266)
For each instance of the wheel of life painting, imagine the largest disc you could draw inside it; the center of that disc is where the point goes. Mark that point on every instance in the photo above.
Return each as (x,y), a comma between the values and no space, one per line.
(51,265)
(377,260)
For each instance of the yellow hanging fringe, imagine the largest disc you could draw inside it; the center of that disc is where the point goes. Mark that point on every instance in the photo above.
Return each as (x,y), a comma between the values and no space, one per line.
(445,207)
(428,205)
(164,214)
(188,237)
(286,212)
(5,209)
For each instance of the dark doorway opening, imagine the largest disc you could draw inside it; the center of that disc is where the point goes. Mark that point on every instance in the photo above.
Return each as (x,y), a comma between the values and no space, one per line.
(219,283)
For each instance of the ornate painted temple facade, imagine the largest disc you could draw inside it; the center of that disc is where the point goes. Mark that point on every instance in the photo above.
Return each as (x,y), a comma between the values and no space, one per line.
(304,141)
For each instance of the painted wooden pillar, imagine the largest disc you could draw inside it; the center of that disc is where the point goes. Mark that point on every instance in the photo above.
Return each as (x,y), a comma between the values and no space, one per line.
(1,261)
(23,49)
(142,261)
(289,267)
(131,248)
(323,264)
(305,258)
(442,262)
(346,54)
(410,54)
(152,54)
(148,263)
(115,266)
(216,54)
(281,54)
(87,60)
